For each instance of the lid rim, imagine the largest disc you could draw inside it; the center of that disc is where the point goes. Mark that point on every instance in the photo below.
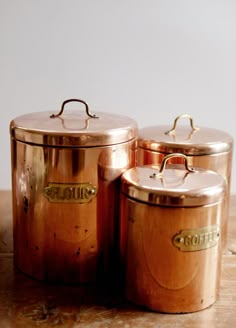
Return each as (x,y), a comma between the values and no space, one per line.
(191,152)
(204,141)
(201,188)
(74,130)
(170,204)
(71,145)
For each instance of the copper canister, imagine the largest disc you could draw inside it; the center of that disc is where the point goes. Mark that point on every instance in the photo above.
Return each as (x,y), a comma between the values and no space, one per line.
(205,147)
(171,238)
(66,171)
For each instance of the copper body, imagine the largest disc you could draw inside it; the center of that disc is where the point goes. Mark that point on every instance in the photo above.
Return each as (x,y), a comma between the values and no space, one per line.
(65,206)
(205,147)
(157,274)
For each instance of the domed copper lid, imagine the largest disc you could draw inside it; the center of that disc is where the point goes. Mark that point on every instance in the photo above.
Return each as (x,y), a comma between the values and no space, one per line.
(184,139)
(173,185)
(73,128)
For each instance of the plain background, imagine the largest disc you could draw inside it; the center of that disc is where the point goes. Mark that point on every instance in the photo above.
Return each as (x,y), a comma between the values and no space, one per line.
(149,59)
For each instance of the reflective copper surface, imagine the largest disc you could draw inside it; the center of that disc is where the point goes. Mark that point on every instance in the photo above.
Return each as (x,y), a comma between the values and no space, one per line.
(209,148)
(73,129)
(171,254)
(159,275)
(65,186)
(174,187)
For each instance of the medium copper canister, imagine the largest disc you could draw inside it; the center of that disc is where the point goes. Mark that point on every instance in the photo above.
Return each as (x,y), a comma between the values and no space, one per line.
(170,236)
(66,171)
(205,147)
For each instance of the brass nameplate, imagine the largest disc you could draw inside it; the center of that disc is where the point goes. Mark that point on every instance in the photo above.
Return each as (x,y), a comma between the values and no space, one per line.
(197,239)
(70,192)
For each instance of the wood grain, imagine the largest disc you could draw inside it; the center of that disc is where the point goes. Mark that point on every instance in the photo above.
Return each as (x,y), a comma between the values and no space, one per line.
(25,302)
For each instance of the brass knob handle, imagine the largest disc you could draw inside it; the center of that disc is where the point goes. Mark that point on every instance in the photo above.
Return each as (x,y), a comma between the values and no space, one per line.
(73,100)
(172,131)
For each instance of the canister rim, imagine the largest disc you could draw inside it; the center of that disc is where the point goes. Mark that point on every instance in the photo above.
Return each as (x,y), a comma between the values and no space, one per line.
(75,129)
(176,188)
(203,141)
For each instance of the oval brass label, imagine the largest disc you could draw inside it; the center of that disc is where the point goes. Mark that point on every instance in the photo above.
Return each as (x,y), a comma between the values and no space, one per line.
(197,239)
(70,192)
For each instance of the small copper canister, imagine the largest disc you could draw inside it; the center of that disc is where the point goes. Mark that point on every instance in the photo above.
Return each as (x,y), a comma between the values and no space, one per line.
(170,233)
(208,148)
(66,171)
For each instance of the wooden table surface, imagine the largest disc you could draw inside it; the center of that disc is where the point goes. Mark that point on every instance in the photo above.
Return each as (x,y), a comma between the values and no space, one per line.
(25,302)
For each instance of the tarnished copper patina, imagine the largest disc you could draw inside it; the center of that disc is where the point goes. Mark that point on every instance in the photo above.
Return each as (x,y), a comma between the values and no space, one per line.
(171,235)
(66,171)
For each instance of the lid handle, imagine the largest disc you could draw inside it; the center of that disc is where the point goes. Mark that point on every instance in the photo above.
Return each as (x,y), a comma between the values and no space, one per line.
(172,131)
(71,100)
(166,158)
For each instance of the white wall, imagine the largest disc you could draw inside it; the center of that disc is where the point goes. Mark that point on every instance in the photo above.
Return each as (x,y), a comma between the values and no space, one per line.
(149,59)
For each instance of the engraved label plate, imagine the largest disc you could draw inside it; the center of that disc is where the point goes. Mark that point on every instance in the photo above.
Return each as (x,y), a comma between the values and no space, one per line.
(197,239)
(70,192)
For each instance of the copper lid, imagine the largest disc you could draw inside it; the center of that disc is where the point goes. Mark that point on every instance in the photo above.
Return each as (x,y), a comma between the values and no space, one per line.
(173,184)
(184,139)
(73,128)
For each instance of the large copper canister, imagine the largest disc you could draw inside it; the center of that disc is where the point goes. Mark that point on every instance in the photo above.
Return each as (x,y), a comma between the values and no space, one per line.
(205,147)
(170,236)
(66,171)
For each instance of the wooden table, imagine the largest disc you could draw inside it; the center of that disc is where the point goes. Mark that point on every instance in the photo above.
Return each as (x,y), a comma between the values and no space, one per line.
(25,302)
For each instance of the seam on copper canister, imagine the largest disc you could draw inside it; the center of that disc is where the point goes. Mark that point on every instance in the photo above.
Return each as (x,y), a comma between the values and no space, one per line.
(71,146)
